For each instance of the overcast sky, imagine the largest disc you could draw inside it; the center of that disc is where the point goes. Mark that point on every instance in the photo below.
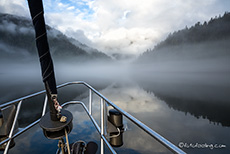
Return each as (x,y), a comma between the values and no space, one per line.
(121,26)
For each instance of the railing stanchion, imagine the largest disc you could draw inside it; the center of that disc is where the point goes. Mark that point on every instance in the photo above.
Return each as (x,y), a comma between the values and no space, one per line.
(105,117)
(102,125)
(13,126)
(90,101)
(44,106)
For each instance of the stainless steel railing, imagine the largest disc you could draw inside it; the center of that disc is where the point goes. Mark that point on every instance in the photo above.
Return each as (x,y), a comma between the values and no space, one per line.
(103,111)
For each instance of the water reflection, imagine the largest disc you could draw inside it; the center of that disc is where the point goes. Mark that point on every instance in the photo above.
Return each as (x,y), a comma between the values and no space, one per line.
(174,125)
(202,95)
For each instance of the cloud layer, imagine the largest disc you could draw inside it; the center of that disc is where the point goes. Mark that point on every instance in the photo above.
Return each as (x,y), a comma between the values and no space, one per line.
(118,26)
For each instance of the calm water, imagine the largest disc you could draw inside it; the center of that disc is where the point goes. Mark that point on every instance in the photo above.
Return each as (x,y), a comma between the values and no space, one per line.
(185,108)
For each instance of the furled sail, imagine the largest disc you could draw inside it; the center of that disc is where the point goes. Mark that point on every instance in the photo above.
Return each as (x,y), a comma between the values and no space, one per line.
(46,63)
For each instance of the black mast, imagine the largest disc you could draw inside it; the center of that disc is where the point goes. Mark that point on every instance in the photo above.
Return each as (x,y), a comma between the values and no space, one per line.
(36,11)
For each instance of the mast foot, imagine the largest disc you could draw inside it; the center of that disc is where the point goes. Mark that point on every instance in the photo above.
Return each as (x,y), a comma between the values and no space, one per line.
(56,129)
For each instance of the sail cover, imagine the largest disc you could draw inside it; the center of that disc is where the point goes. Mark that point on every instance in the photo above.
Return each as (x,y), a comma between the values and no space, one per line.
(36,11)
(37,14)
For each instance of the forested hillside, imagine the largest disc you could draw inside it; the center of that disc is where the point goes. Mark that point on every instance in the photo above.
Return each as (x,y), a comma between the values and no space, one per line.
(17,41)
(203,41)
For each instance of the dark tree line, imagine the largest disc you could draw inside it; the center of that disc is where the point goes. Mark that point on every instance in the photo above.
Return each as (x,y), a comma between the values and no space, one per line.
(215,29)
(208,37)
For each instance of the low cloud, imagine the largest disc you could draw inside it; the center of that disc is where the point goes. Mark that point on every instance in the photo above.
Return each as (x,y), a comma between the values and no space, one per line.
(17,7)
(13,28)
(126,41)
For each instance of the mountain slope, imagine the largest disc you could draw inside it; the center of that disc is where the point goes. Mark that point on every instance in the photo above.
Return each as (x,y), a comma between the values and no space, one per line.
(207,41)
(18,41)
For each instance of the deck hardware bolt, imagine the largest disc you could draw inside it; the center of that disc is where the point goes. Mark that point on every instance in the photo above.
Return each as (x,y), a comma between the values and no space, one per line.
(63,119)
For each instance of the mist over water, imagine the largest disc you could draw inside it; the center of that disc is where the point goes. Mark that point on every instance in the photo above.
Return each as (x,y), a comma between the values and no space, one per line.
(203,82)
